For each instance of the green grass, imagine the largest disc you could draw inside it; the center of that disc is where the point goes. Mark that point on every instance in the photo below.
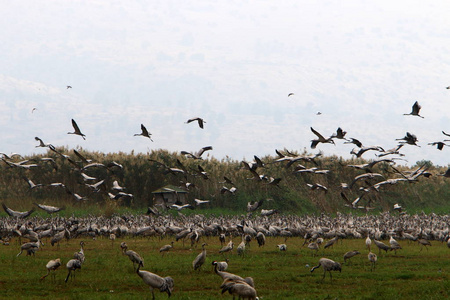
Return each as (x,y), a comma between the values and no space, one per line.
(107,274)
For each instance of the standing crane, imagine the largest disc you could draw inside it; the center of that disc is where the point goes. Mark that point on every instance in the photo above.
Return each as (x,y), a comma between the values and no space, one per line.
(239,288)
(132,255)
(72,265)
(328,265)
(373,259)
(200,259)
(30,247)
(368,242)
(156,282)
(52,265)
(166,248)
(80,254)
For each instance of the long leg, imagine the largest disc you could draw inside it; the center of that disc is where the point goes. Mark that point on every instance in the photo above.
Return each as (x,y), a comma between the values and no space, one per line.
(67,278)
(48,272)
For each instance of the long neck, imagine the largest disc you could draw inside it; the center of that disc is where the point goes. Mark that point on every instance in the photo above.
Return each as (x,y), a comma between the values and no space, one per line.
(138,271)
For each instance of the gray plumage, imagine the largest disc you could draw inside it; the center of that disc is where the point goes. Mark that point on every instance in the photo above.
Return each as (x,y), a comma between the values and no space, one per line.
(394,244)
(17,214)
(282,247)
(350,254)
(424,243)
(59,236)
(227,248)
(328,265)
(49,209)
(80,254)
(231,276)
(155,281)
(166,248)
(381,246)
(72,265)
(52,265)
(239,288)
(222,265)
(132,255)
(314,246)
(330,242)
(31,248)
(241,247)
(200,259)
(373,259)
(261,239)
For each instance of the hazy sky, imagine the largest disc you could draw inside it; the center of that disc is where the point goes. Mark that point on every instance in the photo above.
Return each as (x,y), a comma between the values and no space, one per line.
(362,64)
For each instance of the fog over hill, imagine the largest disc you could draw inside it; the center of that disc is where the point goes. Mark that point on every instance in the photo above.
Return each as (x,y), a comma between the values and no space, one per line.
(360,64)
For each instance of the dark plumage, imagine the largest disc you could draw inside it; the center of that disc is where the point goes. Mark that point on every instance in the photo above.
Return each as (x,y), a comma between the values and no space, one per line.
(77,130)
(144,133)
(415,110)
(199,120)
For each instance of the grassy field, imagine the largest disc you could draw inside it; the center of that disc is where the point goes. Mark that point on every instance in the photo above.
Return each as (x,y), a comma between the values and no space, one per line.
(107,274)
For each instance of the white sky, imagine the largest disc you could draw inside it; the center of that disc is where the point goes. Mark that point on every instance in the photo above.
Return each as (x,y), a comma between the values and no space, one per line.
(361,63)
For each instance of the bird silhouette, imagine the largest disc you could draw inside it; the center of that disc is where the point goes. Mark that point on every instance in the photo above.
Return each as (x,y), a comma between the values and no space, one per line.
(17,214)
(49,209)
(439,145)
(354,141)
(198,154)
(144,133)
(320,139)
(199,120)
(41,143)
(77,130)
(415,110)
(410,139)
(340,134)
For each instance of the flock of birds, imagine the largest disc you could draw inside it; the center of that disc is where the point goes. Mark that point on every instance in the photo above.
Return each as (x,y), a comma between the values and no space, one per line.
(366,184)
(318,232)
(315,230)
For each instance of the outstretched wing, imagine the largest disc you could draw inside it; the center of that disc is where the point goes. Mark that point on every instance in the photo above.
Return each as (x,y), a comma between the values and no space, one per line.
(144,130)
(318,134)
(75,126)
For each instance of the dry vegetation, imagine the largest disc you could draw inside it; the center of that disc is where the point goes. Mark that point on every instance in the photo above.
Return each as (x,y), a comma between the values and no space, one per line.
(141,175)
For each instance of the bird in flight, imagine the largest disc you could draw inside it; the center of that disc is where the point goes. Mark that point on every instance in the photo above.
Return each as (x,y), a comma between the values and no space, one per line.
(410,139)
(198,154)
(144,132)
(41,143)
(290,94)
(439,145)
(17,214)
(69,87)
(415,110)
(320,139)
(77,130)
(199,120)
(340,134)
